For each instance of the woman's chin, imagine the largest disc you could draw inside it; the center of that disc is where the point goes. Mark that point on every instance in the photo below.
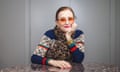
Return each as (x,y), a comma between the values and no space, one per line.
(66,29)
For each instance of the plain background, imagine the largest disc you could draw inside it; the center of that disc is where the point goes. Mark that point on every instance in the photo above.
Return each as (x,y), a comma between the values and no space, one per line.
(23,22)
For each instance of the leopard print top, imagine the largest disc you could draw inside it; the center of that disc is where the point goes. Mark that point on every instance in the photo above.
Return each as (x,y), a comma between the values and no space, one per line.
(59,49)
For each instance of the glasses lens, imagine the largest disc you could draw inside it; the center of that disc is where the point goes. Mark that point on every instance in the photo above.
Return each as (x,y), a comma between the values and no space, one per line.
(63,20)
(71,19)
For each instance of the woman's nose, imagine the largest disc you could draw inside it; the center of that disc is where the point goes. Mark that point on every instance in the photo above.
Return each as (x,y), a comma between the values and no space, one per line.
(67,21)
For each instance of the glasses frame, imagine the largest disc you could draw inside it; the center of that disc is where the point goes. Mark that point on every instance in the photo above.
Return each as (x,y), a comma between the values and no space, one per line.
(63,20)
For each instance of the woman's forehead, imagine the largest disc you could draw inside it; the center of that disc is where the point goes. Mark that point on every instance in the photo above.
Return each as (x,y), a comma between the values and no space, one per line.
(65,13)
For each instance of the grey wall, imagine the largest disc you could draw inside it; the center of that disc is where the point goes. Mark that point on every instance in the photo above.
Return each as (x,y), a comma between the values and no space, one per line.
(12,32)
(118,31)
(23,22)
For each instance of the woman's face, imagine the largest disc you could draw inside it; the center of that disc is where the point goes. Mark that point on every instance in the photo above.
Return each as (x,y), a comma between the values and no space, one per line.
(65,20)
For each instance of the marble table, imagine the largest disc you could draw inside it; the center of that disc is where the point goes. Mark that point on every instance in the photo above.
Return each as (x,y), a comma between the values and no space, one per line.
(85,67)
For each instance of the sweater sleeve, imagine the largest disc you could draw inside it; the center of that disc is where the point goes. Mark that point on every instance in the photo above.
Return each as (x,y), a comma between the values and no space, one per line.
(38,56)
(77,49)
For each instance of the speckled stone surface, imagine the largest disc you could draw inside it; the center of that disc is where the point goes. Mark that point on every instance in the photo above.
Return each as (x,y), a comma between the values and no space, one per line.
(86,67)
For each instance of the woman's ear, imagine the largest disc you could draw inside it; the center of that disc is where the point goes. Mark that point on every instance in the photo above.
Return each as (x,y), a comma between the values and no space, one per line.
(56,23)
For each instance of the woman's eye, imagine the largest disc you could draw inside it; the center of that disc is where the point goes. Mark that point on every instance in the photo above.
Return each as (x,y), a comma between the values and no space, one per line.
(62,19)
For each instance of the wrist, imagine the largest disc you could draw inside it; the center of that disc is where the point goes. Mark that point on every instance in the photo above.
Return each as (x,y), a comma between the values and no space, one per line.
(70,41)
(68,36)
(71,44)
(49,61)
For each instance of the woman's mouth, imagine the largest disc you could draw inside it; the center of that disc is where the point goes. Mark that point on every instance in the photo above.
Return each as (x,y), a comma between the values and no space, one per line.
(67,26)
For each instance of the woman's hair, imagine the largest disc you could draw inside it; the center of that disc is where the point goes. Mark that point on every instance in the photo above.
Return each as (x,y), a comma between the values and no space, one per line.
(62,9)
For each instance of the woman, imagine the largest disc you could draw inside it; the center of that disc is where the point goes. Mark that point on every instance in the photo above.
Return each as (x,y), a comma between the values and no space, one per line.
(63,44)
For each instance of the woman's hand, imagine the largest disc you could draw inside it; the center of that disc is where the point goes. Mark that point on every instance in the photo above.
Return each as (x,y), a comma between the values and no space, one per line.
(69,33)
(60,63)
(74,26)
(54,69)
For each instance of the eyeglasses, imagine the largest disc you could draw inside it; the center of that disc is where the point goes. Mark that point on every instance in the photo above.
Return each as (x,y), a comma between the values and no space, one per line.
(64,20)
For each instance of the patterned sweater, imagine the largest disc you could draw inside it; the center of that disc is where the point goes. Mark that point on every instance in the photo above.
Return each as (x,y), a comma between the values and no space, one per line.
(76,47)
